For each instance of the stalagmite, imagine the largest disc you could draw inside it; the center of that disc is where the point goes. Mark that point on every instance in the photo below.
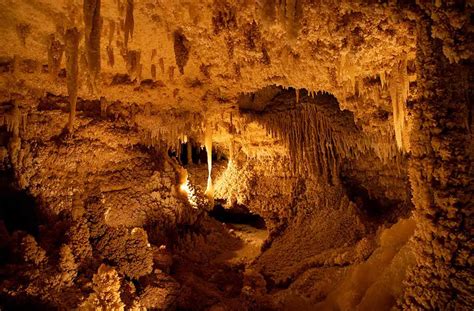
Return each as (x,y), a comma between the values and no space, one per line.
(92,26)
(72,37)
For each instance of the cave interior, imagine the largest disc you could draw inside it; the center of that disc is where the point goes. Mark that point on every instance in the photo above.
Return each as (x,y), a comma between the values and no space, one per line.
(236,155)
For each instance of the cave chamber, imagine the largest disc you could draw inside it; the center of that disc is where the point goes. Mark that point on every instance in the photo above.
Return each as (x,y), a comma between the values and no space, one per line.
(236,155)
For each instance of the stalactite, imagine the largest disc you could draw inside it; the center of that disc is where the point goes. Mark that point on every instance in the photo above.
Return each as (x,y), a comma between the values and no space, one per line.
(177,147)
(129,22)
(171,72)
(286,12)
(147,109)
(55,55)
(208,144)
(181,50)
(23,30)
(132,59)
(189,152)
(161,63)
(347,74)
(139,72)
(398,85)
(72,56)
(103,107)
(383,79)
(231,151)
(153,71)
(92,25)
(169,127)
(24,121)
(110,56)
(111,31)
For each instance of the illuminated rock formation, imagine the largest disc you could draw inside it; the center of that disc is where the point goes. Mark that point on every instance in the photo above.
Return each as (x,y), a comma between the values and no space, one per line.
(236,155)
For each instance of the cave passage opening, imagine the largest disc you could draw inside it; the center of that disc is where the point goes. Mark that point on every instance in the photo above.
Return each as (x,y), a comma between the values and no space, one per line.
(328,143)
(237,215)
(188,153)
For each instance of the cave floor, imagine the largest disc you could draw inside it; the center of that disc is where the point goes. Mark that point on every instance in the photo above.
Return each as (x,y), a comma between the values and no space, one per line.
(252,240)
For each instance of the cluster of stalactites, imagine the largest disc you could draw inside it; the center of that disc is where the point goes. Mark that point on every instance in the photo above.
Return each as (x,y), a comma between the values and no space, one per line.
(14,120)
(175,131)
(286,12)
(382,145)
(170,129)
(314,144)
(396,82)
(170,136)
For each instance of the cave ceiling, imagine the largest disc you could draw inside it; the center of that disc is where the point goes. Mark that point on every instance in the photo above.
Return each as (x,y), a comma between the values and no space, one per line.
(200,57)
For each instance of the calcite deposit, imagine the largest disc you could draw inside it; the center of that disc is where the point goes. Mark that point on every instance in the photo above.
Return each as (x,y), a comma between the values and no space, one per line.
(236,155)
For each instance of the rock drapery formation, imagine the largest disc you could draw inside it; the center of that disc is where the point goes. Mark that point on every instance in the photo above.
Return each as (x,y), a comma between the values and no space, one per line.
(236,155)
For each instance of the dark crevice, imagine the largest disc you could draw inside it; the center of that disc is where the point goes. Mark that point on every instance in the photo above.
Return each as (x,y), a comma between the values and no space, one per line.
(374,210)
(18,208)
(237,214)
(198,154)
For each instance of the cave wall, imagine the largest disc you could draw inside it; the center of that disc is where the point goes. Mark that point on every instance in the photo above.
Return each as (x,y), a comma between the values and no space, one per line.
(441,179)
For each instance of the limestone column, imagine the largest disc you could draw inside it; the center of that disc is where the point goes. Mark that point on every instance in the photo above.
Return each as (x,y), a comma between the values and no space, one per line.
(441,179)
